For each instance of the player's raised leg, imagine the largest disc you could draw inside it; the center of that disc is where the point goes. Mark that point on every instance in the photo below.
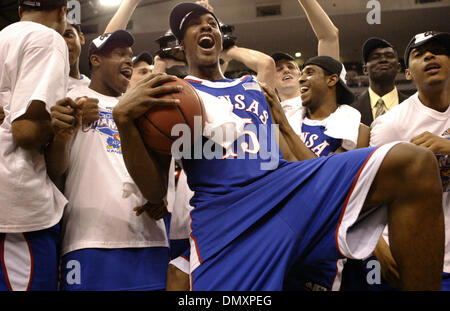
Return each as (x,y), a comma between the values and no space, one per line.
(408,182)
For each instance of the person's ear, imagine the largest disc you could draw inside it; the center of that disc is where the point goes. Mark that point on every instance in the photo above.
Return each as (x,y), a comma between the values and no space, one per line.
(82,39)
(365,70)
(20,11)
(332,80)
(96,60)
(408,75)
(62,13)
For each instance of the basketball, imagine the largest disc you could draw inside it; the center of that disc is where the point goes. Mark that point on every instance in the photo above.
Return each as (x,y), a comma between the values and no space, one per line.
(156,124)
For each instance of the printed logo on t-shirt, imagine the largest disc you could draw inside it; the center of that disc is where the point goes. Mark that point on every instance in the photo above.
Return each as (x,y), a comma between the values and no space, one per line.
(444,165)
(106,126)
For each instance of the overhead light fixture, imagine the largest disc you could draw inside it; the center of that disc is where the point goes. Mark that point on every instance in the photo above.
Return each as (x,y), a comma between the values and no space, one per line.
(298,54)
(110,2)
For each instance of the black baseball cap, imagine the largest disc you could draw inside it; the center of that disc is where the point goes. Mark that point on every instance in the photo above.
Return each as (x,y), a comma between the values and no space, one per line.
(280,55)
(335,67)
(424,37)
(180,15)
(43,4)
(118,36)
(372,44)
(143,56)
(105,40)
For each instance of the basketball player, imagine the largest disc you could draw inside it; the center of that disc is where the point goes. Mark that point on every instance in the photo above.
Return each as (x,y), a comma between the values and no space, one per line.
(33,77)
(424,118)
(326,125)
(115,249)
(286,77)
(287,70)
(75,40)
(178,238)
(142,62)
(267,228)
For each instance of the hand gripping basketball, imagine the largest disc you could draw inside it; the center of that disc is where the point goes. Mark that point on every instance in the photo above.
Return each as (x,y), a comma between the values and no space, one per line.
(156,124)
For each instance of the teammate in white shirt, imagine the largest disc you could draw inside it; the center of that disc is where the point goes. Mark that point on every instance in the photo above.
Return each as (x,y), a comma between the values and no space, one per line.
(75,40)
(116,249)
(423,119)
(33,76)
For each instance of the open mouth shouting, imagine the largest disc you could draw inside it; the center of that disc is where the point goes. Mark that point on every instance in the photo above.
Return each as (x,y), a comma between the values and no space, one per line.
(126,72)
(432,68)
(304,89)
(206,42)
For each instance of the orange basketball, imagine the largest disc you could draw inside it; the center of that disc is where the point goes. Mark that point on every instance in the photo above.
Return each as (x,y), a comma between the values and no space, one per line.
(156,124)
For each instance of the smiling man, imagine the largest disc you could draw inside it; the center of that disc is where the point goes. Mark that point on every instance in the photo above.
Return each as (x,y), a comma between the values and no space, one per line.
(250,225)
(141,67)
(75,40)
(381,65)
(115,249)
(424,118)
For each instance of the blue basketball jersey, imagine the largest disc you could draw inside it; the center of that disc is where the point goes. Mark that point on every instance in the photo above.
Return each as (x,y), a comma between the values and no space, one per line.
(314,137)
(248,103)
(250,225)
(211,178)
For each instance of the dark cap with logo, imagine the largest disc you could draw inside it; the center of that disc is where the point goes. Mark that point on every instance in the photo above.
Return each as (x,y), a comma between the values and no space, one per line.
(143,57)
(43,4)
(280,55)
(117,38)
(121,37)
(182,13)
(334,67)
(424,37)
(372,44)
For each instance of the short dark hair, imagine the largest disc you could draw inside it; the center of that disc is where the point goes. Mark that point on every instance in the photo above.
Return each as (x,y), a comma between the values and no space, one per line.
(42,5)
(76,26)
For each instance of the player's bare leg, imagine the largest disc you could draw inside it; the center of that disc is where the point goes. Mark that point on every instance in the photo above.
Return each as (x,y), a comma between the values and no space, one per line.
(177,280)
(408,181)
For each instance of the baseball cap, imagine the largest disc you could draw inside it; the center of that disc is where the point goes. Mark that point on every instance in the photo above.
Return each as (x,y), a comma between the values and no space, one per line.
(118,36)
(106,39)
(372,44)
(43,4)
(180,15)
(280,55)
(143,56)
(424,37)
(335,67)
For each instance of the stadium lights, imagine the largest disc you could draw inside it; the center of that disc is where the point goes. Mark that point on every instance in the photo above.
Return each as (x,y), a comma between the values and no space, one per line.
(110,2)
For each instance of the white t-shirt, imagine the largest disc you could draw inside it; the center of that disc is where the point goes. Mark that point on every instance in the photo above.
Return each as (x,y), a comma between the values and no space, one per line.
(82,81)
(178,198)
(34,66)
(98,215)
(291,104)
(406,121)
